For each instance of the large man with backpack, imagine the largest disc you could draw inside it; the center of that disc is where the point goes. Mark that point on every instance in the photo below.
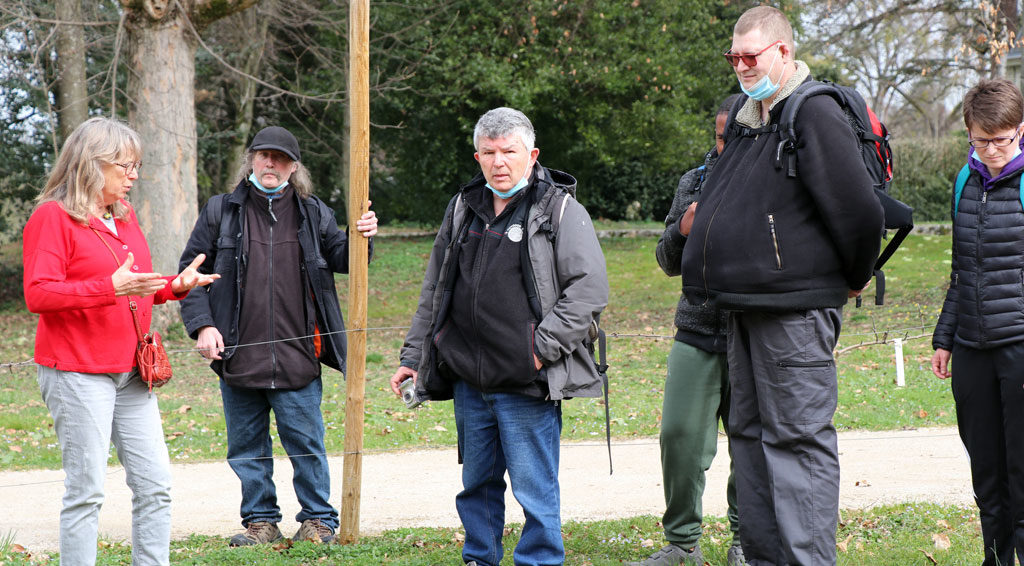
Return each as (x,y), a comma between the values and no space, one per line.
(507,311)
(783,244)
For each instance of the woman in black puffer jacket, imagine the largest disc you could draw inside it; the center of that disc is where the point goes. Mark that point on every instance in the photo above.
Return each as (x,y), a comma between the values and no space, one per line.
(982,320)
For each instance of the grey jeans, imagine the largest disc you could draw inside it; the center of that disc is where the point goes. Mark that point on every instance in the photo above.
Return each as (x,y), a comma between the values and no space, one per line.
(89,411)
(784,394)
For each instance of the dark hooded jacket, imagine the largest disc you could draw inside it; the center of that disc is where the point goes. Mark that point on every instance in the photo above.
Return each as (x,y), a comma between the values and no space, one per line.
(221,234)
(571,290)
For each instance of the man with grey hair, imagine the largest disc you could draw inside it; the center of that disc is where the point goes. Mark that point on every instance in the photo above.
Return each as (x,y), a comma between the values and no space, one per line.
(515,282)
(269,325)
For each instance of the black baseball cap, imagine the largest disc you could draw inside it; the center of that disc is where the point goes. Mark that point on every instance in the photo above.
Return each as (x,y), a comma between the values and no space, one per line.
(276,137)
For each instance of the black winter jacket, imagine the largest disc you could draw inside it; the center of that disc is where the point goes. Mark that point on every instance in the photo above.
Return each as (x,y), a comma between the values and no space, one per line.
(984,306)
(324,249)
(764,241)
(701,326)
(569,276)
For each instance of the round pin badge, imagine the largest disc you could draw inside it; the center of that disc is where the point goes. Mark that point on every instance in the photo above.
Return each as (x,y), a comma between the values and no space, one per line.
(515,232)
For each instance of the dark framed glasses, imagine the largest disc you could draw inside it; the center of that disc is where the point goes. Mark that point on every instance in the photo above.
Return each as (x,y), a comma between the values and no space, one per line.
(135,166)
(749,59)
(982,143)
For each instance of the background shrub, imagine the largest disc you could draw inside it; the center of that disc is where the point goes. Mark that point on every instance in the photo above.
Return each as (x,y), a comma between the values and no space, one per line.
(924,171)
(629,191)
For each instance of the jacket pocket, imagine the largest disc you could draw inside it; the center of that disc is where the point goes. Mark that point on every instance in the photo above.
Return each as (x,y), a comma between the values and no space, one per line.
(506,360)
(325,274)
(226,255)
(773,232)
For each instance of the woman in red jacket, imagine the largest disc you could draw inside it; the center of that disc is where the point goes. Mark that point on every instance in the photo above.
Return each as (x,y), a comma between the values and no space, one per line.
(85,339)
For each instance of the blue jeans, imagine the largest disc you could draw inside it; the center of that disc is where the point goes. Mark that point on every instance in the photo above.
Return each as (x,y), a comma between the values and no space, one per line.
(300,426)
(520,434)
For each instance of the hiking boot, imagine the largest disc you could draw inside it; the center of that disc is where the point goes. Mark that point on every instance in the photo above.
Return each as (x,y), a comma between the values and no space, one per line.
(314,530)
(735,556)
(674,555)
(258,532)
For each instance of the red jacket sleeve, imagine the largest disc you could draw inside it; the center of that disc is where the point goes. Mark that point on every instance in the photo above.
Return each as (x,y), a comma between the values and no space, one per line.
(46,251)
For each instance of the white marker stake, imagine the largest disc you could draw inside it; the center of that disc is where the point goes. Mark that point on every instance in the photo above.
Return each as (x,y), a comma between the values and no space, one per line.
(900,381)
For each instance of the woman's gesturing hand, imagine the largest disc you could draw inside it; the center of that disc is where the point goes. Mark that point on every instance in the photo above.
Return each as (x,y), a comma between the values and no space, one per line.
(190,278)
(127,282)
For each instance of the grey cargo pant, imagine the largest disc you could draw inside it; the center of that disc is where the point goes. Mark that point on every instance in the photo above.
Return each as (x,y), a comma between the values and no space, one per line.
(784,394)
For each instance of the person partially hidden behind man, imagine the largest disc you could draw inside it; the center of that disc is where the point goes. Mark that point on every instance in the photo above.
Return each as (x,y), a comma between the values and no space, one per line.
(696,388)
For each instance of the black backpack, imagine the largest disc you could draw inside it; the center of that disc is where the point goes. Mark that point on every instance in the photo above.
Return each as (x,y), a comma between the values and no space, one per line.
(874,147)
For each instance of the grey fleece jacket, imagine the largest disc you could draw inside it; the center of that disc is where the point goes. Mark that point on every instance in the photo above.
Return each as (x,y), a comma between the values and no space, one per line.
(571,281)
(701,326)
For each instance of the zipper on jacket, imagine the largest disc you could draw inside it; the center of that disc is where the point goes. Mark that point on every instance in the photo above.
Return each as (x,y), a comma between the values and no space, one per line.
(813,364)
(479,261)
(978,240)
(270,289)
(775,241)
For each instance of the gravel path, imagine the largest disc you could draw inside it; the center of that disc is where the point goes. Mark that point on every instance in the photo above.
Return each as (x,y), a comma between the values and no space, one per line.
(418,487)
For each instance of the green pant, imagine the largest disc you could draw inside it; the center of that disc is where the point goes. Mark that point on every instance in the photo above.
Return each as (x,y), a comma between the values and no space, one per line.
(696,395)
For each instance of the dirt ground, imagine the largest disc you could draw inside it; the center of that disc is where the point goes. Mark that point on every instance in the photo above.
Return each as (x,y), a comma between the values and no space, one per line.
(418,487)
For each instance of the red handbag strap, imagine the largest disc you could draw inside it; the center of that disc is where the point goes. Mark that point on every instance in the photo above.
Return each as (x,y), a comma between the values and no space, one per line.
(132,306)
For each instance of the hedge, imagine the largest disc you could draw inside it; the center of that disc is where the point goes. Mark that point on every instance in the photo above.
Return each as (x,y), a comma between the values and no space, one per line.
(923,172)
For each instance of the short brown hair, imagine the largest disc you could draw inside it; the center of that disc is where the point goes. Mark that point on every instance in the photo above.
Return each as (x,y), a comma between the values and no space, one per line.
(771,21)
(993,105)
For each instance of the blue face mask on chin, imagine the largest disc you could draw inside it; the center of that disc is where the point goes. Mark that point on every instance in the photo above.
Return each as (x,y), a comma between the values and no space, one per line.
(763,88)
(256,183)
(519,186)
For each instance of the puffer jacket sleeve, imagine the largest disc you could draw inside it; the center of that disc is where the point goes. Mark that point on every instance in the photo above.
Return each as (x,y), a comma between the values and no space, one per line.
(669,250)
(583,279)
(945,328)
(412,349)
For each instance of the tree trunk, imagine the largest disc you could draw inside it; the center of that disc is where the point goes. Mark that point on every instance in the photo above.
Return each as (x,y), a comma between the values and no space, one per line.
(72,95)
(161,81)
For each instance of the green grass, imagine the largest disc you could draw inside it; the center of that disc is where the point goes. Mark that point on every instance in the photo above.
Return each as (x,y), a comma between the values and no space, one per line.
(898,535)
(642,305)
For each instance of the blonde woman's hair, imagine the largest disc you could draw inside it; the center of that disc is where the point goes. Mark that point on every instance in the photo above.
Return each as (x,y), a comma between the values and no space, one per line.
(300,179)
(76,181)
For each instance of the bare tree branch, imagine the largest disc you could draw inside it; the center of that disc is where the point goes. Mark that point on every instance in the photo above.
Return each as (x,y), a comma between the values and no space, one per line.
(257,80)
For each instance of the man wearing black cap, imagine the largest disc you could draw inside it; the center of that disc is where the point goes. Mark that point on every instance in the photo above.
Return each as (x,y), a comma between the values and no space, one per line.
(268,326)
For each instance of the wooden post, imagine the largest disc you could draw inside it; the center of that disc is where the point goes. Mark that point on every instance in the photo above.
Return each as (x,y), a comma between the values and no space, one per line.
(358,194)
